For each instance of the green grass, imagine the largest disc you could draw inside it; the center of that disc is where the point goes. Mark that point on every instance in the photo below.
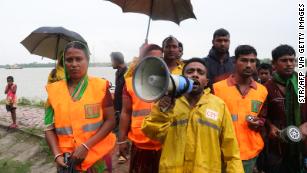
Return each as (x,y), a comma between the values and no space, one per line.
(34,130)
(2,101)
(12,166)
(23,101)
(46,150)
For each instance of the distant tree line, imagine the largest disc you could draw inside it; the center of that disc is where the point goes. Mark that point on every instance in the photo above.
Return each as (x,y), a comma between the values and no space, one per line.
(96,64)
(50,64)
(266,60)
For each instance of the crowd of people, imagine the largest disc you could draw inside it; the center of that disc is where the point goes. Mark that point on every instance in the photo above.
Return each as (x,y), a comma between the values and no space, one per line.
(232,121)
(260,100)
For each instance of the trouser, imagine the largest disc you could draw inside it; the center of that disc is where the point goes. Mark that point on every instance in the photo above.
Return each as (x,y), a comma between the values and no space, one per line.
(249,165)
(144,161)
(285,167)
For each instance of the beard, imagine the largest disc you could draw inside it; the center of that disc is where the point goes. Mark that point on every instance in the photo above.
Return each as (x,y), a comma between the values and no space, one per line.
(246,73)
(221,50)
(197,91)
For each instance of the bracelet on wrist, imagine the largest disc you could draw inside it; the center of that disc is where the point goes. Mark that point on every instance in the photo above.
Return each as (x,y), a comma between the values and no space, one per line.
(84,145)
(122,142)
(57,155)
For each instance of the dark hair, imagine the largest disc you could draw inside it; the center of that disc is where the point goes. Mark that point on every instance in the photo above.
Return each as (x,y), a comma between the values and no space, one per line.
(244,50)
(118,57)
(78,45)
(265,66)
(282,50)
(220,33)
(180,45)
(194,59)
(168,39)
(151,47)
(257,63)
(10,78)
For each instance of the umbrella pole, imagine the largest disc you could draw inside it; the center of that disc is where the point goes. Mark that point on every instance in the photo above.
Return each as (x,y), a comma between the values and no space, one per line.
(148,26)
(149,20)
(56,49)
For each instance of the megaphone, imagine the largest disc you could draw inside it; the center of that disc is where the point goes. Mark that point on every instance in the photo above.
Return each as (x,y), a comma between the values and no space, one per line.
(152,80)
(291,134)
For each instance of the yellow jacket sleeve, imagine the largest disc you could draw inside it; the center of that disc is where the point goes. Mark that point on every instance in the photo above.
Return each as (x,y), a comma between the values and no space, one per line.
(59,74)
(156,124)
(229,146)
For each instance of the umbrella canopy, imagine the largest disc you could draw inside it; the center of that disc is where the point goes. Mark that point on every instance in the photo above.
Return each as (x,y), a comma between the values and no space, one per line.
(171,10)
(50,41)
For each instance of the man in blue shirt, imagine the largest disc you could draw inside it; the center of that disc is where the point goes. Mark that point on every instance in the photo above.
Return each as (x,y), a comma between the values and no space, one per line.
(218,61)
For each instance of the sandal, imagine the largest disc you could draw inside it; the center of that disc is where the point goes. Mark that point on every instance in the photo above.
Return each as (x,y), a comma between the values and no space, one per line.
(122,159)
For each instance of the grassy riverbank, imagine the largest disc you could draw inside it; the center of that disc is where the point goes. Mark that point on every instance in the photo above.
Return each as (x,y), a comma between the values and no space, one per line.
(24,153)
(22,101)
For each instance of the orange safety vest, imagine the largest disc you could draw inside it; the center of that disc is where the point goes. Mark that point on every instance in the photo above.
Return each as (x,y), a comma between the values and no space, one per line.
(250,142)
(76,122)
(139,110)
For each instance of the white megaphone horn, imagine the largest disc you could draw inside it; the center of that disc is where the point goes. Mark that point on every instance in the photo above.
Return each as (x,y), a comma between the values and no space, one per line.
(152,80)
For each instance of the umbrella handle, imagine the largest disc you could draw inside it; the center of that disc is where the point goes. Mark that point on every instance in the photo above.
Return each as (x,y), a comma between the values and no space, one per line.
(148,26)
(149,20)
(57,47)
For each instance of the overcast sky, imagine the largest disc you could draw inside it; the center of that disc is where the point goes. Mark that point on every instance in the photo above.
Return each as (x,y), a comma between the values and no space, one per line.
(263,24)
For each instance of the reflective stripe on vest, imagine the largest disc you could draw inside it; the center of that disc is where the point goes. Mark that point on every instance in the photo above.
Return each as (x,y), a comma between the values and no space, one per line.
(141,112)
(74,121)
(207,123)
(250,142)
(179,122)
(91,127)
(234,117)
(63,131)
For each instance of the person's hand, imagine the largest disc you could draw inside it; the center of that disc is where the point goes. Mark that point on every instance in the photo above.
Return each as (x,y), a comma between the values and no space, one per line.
(303,129)
(60,161)
(123,149)
(166,103)
(6,89)
(8,86)
(274,131)
(256,123)
(142,50)
(79,154)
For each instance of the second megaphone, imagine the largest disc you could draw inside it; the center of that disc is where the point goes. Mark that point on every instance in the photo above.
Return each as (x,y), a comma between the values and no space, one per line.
(152,80)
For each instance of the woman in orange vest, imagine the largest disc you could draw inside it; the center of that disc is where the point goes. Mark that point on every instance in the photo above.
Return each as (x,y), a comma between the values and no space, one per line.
(145,153)
(80,116)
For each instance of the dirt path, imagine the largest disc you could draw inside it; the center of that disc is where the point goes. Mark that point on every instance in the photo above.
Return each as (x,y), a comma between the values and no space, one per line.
(22,152)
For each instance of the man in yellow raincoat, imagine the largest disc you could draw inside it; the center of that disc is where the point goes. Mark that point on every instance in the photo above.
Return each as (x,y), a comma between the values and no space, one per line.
(57,73)
(196,133)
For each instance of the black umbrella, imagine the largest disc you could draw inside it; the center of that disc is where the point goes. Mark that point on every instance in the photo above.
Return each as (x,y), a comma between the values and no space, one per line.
(50,41)
(171,10)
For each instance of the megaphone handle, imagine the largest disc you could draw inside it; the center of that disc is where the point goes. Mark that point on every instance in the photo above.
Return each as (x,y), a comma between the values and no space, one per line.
(166,103)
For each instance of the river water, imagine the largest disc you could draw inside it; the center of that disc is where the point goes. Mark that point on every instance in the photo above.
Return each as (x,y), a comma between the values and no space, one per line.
(31,81)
